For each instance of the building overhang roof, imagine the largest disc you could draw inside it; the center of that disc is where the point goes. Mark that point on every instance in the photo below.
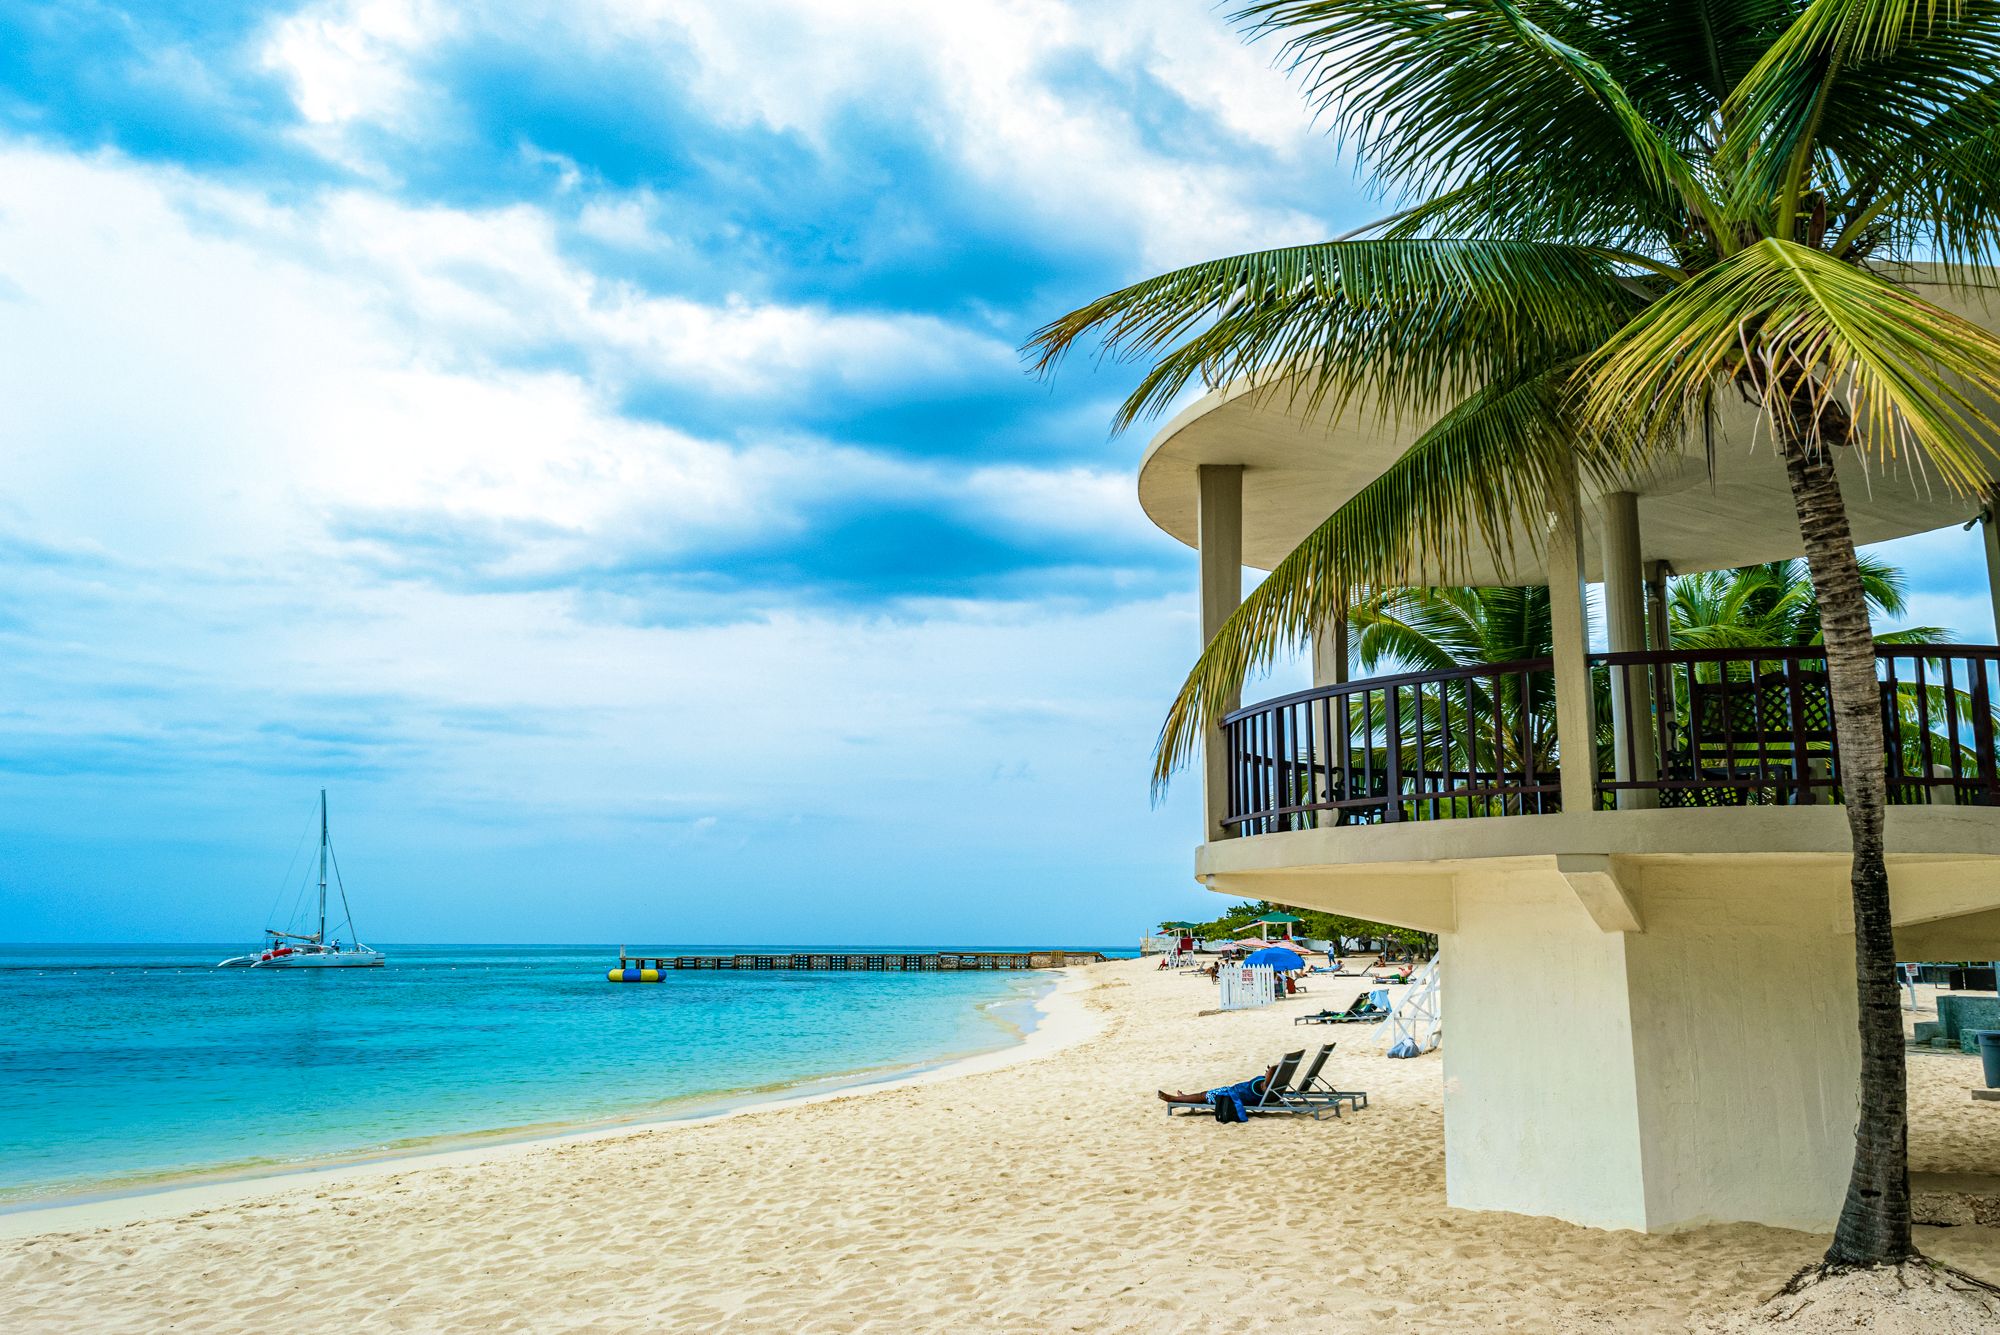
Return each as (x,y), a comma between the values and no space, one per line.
(1299,467)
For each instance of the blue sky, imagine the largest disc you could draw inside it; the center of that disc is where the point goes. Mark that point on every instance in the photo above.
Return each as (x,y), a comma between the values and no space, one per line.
(589,439)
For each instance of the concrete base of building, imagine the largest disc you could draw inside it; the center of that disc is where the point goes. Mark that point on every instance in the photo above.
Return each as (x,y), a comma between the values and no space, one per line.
(1702,1070)
(1650,1041)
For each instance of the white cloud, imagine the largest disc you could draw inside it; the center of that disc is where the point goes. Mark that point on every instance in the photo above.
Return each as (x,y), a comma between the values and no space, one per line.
(264,365)
(189,388)
(345,62)
(495,281)
(226,411)
(1088,503)
(987,77)
(992,82)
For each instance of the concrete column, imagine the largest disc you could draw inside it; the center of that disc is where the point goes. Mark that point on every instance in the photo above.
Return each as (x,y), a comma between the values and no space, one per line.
(1705,1069)
(1219,536)
(1575,722)
(1633,754)
(1989,531)
(1329,664)
(1330,652)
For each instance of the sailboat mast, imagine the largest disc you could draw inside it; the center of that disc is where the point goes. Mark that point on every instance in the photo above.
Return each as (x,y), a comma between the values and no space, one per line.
(322,866)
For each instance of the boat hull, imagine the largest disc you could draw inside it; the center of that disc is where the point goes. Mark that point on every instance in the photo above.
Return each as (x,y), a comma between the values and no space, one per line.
(345,959)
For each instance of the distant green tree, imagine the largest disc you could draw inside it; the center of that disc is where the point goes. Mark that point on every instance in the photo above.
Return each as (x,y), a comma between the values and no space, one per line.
(1240,918)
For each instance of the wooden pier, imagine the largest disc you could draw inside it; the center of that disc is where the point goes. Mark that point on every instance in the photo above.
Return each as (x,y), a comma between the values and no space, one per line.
(649,968)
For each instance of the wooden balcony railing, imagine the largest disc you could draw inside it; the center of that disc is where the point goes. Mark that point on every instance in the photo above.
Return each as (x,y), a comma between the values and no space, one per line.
(1723,727)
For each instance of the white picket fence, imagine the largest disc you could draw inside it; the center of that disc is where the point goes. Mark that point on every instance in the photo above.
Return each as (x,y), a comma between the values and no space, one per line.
(1244,987)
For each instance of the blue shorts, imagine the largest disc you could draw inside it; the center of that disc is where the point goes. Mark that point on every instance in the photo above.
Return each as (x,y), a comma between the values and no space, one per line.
(1247,1092)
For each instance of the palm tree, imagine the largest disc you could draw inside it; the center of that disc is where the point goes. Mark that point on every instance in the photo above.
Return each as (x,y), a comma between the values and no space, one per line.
(1774,604)
(1606,214)
(1428,630)
(1505,724)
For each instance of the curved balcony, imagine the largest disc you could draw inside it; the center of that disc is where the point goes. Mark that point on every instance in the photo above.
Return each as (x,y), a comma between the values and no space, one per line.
(1674,728)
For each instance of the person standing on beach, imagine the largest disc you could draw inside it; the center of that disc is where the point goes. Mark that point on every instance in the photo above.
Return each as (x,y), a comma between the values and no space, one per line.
(1333,956)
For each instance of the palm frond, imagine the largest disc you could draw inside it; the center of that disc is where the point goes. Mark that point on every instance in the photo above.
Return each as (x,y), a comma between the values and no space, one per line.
(1684,58)
(1775,604)
(1437,92)
(1419,628)
(1916,379)
(1929,186)
(1387,638)
(1840,86)
(1545,199)
(1497,458)
(1405,321)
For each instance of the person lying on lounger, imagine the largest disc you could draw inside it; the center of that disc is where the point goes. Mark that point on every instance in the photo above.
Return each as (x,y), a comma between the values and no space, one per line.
(1247,1092)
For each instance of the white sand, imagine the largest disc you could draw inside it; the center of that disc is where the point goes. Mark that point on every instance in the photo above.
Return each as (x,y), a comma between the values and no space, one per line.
(1042,1190)
(1906,1300)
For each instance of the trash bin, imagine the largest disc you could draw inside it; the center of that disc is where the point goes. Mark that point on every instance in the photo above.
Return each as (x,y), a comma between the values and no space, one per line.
(1989,1054)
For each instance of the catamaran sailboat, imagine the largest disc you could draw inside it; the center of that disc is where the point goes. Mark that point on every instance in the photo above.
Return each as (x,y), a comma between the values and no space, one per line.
(296,950)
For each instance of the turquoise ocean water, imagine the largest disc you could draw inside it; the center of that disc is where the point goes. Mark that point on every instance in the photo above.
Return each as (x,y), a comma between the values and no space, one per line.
(127,1067)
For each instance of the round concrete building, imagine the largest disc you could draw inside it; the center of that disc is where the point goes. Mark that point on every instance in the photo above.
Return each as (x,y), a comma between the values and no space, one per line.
(1676,884)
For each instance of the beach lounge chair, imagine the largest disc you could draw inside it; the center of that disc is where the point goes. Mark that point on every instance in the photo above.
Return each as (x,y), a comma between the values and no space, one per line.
(1313,1086)
(1362,1009)
(1281,1076)
(1279,1094)
(1358,1009)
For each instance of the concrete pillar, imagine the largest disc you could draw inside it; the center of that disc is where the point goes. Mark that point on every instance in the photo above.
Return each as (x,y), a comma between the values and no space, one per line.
(1989,530)
(1703,1070)
(1329,664)
(1219,537)
(1575,719)
(1330,652)
(1633,754)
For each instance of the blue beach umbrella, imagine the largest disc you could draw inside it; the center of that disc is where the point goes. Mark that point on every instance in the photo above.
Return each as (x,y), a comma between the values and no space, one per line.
(1276,957)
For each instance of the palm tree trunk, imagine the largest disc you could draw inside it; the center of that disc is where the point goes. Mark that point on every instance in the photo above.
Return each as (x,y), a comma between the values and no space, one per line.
(1874,1227)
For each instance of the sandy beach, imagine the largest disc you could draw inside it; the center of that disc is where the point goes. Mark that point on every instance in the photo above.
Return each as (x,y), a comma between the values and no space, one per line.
(1038,1189)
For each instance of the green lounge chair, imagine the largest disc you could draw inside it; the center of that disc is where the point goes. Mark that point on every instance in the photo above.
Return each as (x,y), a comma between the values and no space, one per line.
(1361,1009)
